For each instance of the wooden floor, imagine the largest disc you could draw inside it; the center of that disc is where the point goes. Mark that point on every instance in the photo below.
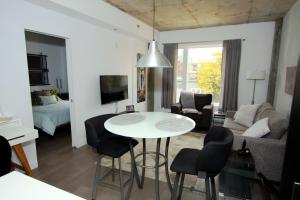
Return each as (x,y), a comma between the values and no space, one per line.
(73,170)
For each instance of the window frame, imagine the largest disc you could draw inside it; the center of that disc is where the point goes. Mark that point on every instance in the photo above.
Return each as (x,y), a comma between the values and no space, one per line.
(185,47)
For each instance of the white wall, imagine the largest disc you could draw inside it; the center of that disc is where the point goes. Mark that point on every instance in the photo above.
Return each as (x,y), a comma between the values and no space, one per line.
(256,52)
(92,49)
(100,13)
(289,53)
(55,49)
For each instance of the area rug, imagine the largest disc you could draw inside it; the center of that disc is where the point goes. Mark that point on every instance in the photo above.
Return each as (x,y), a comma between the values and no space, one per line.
(189,140)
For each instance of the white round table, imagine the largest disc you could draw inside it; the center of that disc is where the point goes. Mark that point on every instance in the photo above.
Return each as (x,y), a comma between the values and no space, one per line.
(146,125)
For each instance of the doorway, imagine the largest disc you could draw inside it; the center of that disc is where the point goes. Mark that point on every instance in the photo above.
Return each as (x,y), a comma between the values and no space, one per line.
(49,90)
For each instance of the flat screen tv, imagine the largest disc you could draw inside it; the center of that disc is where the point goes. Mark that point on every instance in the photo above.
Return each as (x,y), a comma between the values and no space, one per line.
(113,88)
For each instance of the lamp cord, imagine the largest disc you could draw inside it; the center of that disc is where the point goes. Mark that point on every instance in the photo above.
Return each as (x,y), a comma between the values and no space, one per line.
(153,18)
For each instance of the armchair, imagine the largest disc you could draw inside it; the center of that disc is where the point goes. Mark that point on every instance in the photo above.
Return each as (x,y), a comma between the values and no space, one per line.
(201,113)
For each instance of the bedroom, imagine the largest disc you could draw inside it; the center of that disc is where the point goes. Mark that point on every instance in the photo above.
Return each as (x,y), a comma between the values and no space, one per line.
(47,68)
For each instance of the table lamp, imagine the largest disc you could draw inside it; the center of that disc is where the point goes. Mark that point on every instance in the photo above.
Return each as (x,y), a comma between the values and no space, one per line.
(255,75)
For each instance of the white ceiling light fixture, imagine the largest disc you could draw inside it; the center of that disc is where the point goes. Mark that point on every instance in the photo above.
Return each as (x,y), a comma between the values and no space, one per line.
(154,58)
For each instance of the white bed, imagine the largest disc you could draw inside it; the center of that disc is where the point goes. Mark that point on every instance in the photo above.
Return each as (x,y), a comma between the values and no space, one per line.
(48,117)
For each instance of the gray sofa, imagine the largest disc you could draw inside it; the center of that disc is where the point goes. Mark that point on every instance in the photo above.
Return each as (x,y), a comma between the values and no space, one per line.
(268,151)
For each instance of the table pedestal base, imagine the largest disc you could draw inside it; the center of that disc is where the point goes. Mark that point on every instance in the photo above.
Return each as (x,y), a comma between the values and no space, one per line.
(140,180)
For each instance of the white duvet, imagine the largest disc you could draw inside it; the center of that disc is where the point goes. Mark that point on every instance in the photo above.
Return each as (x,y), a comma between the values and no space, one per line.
(48,117)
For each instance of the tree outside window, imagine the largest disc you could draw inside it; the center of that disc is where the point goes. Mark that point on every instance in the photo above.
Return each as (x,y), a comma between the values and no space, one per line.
(209,76)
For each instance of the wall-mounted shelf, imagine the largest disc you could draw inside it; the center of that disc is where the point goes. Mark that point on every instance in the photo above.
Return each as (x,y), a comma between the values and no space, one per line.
(37,68)
(40,85)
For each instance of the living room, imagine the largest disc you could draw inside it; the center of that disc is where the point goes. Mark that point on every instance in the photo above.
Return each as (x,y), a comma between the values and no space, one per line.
(104,38)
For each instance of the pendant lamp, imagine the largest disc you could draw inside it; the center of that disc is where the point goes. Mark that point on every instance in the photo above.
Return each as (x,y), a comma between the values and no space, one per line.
(153,58)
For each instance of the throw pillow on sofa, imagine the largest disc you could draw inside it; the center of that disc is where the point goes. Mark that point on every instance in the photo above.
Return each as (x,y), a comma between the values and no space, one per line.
(278,124)
(245,115)
(258,129)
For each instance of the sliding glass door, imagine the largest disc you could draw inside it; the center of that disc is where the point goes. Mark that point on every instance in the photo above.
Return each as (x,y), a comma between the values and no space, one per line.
(199,69)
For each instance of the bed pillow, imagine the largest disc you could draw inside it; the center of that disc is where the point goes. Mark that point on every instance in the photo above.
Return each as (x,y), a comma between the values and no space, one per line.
(54,92)
(245,115)
(46,93)
(49,93)
(46,100)
(258,129)
(35,99)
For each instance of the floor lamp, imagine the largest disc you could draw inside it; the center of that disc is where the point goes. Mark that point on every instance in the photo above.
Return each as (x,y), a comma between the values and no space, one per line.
(255,75)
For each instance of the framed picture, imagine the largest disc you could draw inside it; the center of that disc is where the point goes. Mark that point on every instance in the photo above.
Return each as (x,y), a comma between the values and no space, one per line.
(141,82)
(130,108)
(290,80)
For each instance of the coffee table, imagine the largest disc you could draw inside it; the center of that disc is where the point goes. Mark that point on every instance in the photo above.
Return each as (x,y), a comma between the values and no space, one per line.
(150,125)
(236,179)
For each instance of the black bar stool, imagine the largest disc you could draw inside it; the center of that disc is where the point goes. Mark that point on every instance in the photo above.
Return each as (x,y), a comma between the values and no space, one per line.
(111,145)
(205,163)
(5,158)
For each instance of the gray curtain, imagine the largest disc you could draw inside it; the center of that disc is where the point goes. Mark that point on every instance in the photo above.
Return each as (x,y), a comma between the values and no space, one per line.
(274,61)
(168,85)
(231,66)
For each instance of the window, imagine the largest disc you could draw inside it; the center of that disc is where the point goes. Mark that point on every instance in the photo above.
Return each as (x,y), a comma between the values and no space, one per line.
(199,69)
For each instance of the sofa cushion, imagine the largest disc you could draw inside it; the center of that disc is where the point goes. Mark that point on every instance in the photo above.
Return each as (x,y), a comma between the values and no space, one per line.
(278,124)
(202,100)
(236,132)
(187,99)
(265,106)
(194,116)
(284,136)
(231,124)
(246,114)
(191,110)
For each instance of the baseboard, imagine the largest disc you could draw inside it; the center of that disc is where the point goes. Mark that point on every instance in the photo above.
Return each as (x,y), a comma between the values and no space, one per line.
(79,143)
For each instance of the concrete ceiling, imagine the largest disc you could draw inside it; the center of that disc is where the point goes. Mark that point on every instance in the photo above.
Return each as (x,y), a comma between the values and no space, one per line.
(183,14)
